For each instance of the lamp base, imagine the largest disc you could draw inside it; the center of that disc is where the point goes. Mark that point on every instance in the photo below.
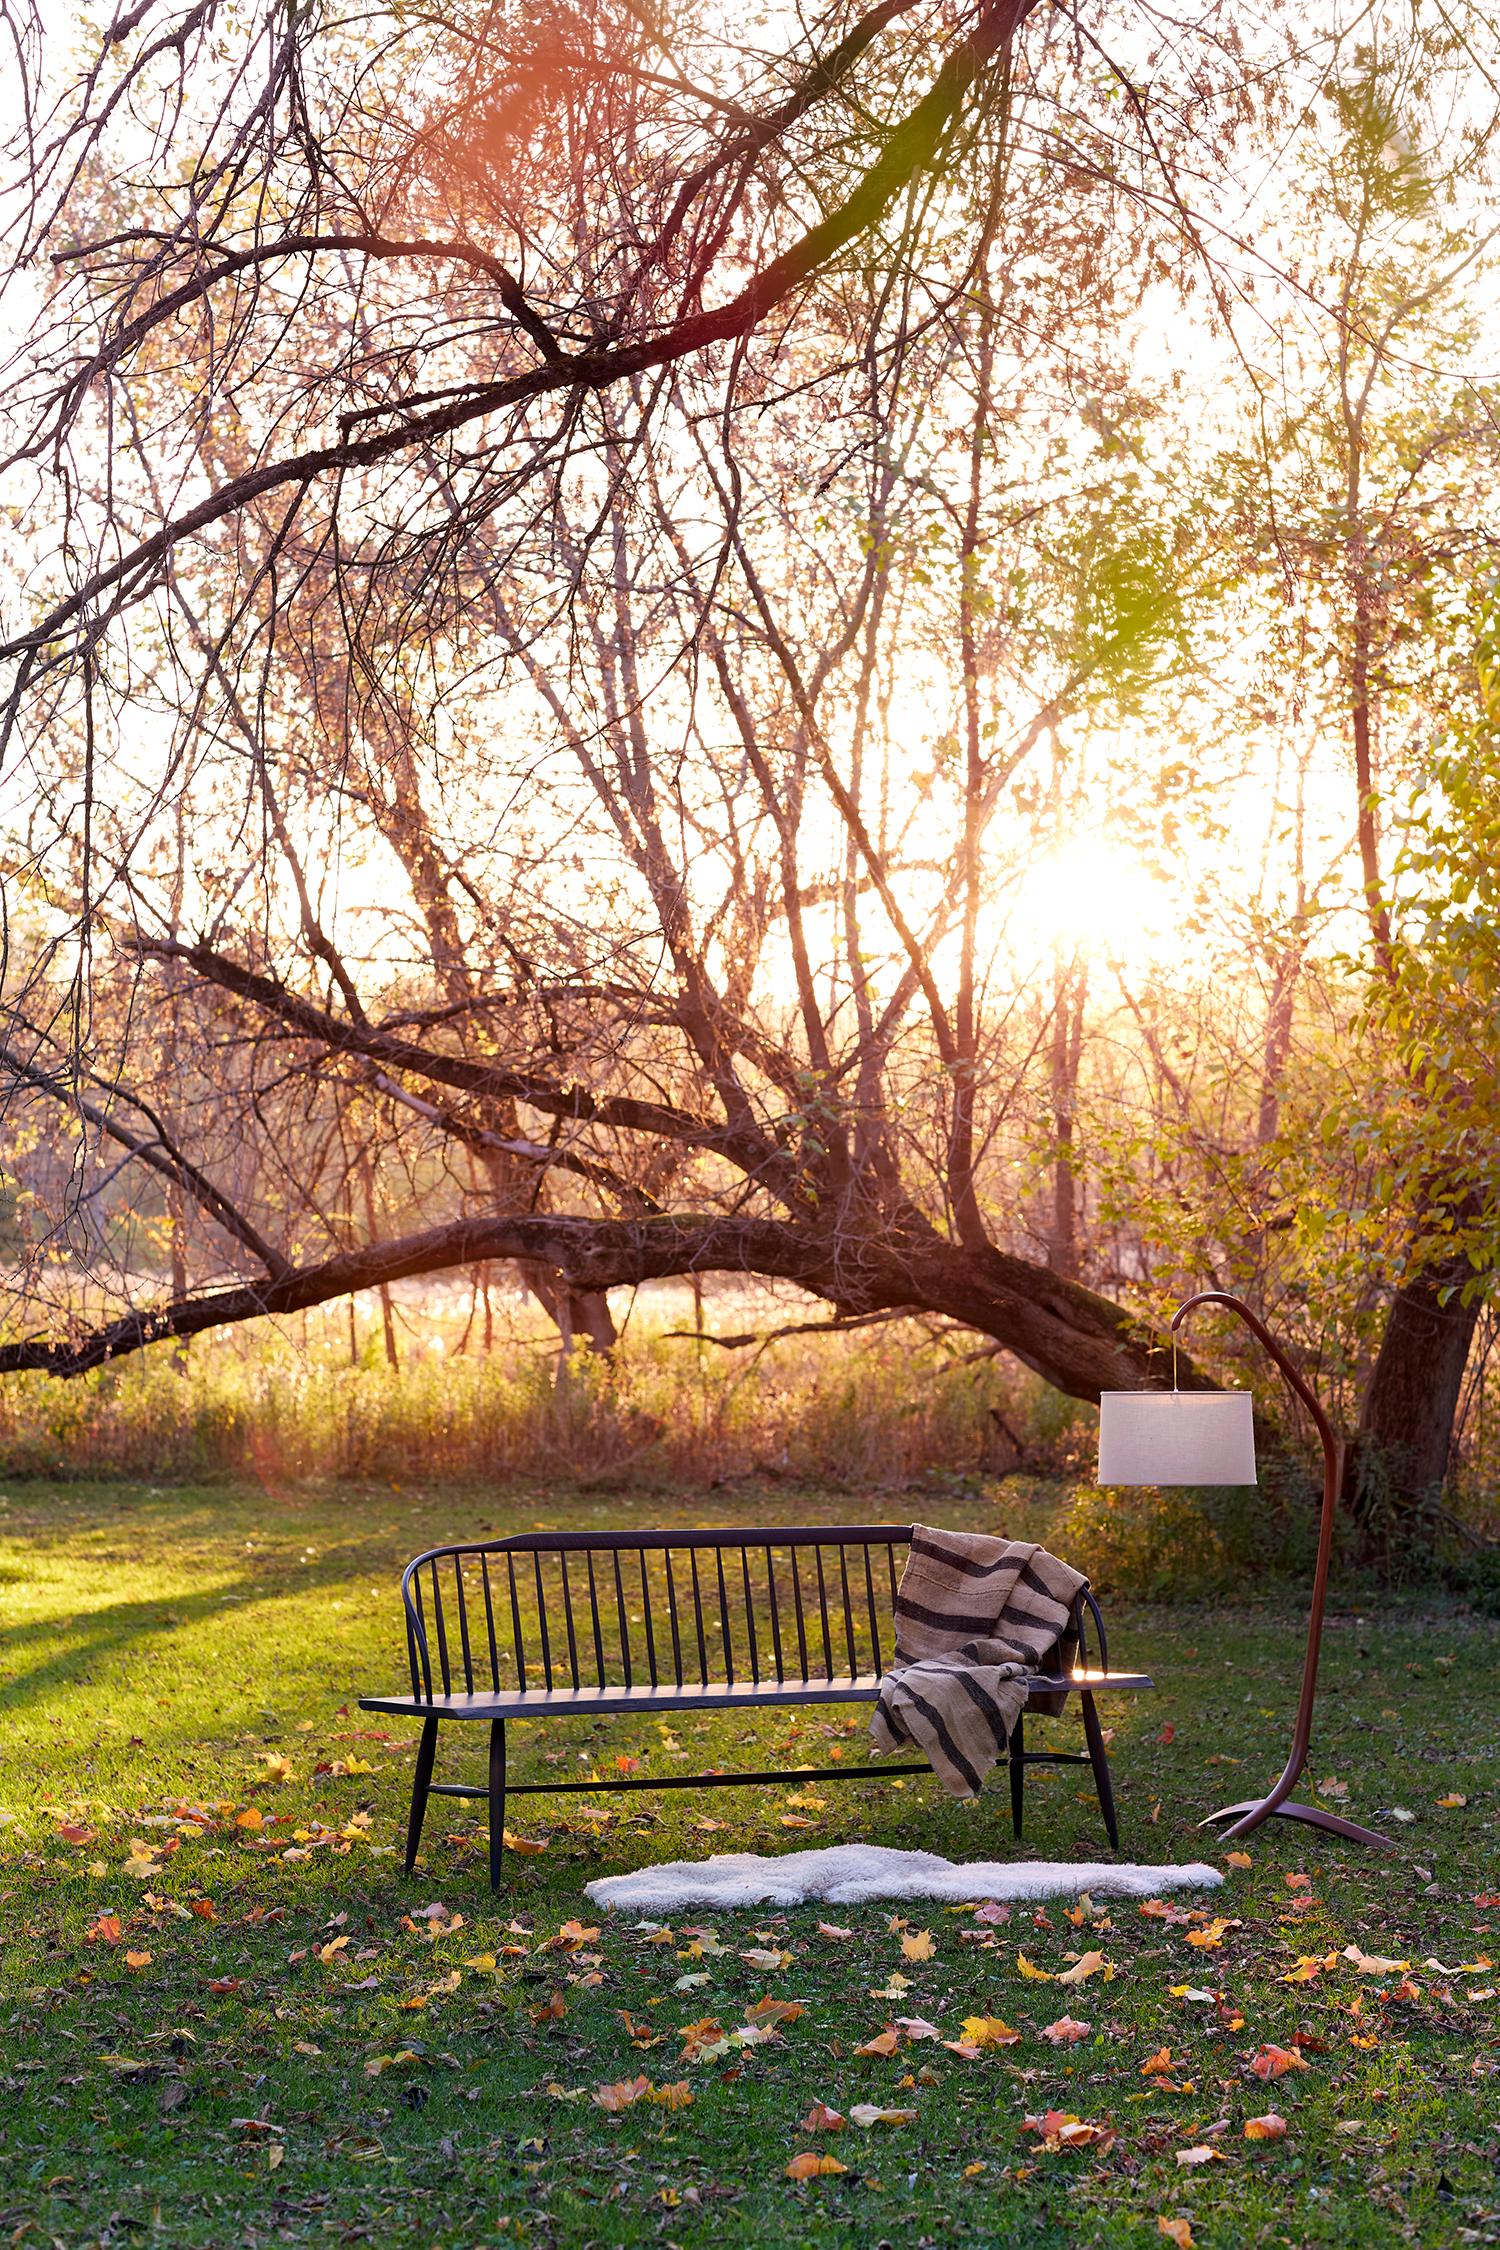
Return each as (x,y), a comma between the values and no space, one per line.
(1254,1810)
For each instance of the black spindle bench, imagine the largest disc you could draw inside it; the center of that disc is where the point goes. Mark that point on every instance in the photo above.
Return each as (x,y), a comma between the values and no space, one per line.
(556,1623)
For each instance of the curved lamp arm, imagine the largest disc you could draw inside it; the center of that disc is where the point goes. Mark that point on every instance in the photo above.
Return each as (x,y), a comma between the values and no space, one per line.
(1278,1795)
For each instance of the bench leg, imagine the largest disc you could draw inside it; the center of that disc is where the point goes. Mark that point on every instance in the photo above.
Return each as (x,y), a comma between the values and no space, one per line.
(1093,1735)
(1017,1773)
(421,1782)
(497,1799)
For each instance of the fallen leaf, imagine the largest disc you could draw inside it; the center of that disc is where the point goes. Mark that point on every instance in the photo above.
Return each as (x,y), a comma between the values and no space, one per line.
(870,2113)
(1448,1802)
(1155,2065)
(72,1832)
(1178,2231)
(762,1957)
(1168,1732)
(833,1932)
(1213,1933)
(1307,1966)
(137,1960)
(917,2027)
(896,1989)
(775,2011)
(1374,1964)
(105,1930)
(988,2031)
(821,2119)
(1087,1965)
(884,2043)
(1202,2154)
(1066,2032)
(621,2094)
(1333,1787)
(1267,2128)
(1237,1859)
(1060,2129)
(917,1945)
(1031,1972)
(809,2164)
(527,1846)
(1274,2062)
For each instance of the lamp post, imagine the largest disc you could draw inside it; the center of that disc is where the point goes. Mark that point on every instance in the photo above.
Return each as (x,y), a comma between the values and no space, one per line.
(1206,1437)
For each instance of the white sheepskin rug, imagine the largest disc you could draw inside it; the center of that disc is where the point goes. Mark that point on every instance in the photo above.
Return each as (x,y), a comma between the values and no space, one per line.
(849,1874)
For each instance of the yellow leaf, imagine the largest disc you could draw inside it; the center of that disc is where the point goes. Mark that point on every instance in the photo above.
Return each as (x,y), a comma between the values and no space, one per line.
(1087,1965)
(678,2095)
(917,1945)
(1454,1799)
(480,1961)
(1031,1972)
(525,1845)
(1307,1966)
(1178,2231)
(278,1767)
(1213,1934)
(1237,1859)
(137,1960)
(988,2031)
(808,2164)
(870,2113)
(896,1989)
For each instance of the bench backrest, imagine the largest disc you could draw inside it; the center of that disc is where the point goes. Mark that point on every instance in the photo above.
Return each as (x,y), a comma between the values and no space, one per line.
(558,1609)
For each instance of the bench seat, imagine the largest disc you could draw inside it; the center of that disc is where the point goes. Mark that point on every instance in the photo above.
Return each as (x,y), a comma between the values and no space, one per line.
(696,1695)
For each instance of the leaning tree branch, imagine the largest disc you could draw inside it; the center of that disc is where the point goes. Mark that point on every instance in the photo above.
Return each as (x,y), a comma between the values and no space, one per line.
(1080,1342)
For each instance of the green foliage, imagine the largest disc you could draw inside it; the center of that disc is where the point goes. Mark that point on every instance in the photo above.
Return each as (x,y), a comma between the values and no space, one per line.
(1175,1543)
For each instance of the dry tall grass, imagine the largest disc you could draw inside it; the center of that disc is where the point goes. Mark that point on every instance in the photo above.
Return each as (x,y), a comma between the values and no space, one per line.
(880,1408)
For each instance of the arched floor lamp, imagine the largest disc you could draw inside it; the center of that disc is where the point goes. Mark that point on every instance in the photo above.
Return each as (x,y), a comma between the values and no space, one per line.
(1207,1437)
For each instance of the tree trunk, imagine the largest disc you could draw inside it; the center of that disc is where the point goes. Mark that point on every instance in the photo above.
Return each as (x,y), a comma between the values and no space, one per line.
(1398,1463)
(1069,985)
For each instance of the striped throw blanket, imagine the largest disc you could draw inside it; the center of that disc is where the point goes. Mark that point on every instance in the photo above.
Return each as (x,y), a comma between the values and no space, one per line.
(974,1615)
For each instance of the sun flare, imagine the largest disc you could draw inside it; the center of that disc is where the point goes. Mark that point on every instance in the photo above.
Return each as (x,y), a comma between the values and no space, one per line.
(1090,896)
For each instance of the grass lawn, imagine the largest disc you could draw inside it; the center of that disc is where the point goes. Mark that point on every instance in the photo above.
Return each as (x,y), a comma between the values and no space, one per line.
(227,2018)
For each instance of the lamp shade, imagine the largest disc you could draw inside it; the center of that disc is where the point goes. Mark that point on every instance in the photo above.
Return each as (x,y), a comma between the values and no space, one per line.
(1176,1437)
